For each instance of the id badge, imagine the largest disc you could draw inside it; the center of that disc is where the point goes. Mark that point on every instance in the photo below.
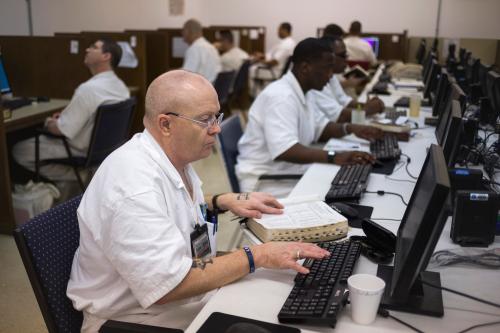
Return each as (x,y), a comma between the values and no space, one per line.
(200,242)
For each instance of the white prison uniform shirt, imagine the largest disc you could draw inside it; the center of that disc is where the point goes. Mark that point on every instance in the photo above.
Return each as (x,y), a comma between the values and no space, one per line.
(281,52)
(277,120)
(76,122)
(359,50)
(203,58)
(233,59)
(331,100)
(135,222)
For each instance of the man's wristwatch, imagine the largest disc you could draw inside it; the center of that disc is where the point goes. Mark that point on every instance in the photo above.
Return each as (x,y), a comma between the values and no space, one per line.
(330,156)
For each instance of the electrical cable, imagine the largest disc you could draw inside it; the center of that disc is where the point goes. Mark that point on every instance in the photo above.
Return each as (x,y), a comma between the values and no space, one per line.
(484,258)
(479,325)
(462,294)
(400,180)
(386,314)
(382,192)
(408,160)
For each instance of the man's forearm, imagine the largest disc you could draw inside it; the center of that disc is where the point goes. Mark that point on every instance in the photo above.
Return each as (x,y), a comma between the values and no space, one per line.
(53,128)
(332,130)
(345,116)
(303,155)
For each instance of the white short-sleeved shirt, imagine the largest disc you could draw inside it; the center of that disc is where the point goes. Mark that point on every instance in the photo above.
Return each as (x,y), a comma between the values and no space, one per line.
(330,101)
(77,120)
(277,120)
(203,58)
(232,59)
(359,50)
(281,52)
(135,221)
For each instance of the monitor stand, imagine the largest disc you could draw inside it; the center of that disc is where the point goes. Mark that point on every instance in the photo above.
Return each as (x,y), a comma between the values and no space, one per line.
(423,299)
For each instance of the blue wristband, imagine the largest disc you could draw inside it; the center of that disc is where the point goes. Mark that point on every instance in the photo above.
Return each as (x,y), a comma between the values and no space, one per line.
(249,254)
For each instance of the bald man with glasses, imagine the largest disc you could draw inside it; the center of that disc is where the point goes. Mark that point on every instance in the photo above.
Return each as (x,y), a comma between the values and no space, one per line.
(147,232)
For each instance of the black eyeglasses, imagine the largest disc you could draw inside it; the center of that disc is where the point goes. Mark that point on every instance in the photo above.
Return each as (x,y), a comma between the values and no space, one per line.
(209,123)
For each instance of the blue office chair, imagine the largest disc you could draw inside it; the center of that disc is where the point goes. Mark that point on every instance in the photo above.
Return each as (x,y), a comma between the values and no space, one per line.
(47,245)
(222,85)
(111,130)
(230,134)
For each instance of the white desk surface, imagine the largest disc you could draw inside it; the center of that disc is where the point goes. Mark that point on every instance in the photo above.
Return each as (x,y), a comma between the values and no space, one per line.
(261,295)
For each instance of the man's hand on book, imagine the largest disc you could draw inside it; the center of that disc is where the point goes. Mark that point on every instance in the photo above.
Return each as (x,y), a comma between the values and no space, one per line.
(284,255)
(374,105)
(251,204)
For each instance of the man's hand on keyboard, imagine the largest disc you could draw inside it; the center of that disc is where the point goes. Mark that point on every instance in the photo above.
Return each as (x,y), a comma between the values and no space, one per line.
(353,157)
(373,106)
(366,132)
(284,255)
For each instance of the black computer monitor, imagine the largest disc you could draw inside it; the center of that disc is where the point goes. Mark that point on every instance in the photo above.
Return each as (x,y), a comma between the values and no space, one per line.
(493,84)
(442,91)
(418,233)
(452,139)
(4,81)
(432,77)
(482,73)
(421,51)
(427,64)
(374,43)
(456,93)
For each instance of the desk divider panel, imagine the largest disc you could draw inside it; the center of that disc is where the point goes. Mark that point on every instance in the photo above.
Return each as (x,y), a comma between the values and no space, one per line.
(251,38)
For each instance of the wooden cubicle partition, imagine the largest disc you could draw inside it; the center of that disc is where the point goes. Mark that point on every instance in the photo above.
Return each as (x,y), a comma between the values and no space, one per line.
(392,46)
(171,35)
(7,223)
(251,38)
(43,66)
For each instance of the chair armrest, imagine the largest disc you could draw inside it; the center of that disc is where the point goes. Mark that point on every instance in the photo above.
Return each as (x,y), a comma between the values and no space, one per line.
(45,132)
(112,326)
(279,177)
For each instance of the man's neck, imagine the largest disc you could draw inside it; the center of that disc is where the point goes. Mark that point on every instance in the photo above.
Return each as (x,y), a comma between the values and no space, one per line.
(99,69)
(301,82)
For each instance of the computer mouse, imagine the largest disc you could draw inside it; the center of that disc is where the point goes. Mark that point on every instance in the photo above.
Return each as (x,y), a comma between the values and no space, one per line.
(377,164)
(345,210)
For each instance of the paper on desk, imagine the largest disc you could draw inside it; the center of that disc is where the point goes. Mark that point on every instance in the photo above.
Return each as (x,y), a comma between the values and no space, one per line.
(297,214)
(341,145)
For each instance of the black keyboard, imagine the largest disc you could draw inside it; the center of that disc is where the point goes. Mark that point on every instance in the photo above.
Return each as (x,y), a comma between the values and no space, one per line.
(386,148)
(16,103)
(349,183)
(319,296)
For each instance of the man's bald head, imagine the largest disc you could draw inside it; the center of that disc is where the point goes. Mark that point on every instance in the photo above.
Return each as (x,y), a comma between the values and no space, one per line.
(176,91)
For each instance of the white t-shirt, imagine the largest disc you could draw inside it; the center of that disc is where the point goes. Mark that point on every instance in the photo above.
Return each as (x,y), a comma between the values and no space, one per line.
(359,50)
(281,52)
(232,59)
(135,221)
(203,58)
(77,119)
(330,101)
(277,120)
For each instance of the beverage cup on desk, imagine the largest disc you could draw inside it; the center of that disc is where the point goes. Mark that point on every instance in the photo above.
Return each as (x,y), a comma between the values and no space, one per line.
(365,292)
(415,100)
(358,117)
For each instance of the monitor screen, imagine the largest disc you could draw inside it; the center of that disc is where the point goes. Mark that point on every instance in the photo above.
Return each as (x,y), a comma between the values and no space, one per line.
(456,93)
(452,138)
(4,82)
(442,91)
(431,79)
(493,85)
(374,43)
(418,233)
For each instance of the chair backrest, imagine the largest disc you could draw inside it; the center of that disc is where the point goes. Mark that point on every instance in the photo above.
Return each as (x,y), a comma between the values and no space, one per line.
(241,79)
(230,134)
(222,85)
(288,63)
(47,244)
(111,129)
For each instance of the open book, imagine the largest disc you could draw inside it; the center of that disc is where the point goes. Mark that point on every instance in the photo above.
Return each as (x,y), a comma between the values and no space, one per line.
(357,71)
(305,219)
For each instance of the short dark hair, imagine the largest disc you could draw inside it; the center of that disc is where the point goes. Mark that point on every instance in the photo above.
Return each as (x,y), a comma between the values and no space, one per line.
(226,35)
(331,40)
(112,47)
(286,26)
(355,27)
(310,50)
(333,30)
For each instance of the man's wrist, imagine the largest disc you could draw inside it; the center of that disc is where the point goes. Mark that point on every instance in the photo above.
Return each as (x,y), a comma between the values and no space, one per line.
(347,128)
(218,205)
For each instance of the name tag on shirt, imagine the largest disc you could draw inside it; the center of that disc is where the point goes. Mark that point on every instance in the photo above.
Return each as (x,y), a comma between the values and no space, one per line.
(200,242)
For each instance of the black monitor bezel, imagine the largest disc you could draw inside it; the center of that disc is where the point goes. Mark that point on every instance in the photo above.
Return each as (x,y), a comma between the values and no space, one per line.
(2,63)
(452,139)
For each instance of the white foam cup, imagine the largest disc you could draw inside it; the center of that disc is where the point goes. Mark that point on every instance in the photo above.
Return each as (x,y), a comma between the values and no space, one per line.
(365,292)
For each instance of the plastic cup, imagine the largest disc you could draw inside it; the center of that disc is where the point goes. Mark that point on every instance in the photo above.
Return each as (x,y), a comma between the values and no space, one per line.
(365,292)
(415,100)
(358,117)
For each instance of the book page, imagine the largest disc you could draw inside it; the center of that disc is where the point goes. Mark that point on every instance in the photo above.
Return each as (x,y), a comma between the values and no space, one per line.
(301,215)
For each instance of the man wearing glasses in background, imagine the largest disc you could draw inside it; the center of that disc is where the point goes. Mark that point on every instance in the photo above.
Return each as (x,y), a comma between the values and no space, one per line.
(146,252)
(332,100)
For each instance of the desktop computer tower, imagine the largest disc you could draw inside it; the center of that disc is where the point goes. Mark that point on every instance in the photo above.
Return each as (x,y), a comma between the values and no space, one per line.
(474,217)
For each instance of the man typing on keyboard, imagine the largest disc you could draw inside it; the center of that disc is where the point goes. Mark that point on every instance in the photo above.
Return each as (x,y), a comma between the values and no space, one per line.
(281,127)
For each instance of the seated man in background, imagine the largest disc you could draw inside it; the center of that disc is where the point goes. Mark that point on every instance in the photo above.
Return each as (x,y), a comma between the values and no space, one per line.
(231,55)
(270,66)
(332,100)
(201,57)
(146,254)
(357,48)
(281,127)
(76,121)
